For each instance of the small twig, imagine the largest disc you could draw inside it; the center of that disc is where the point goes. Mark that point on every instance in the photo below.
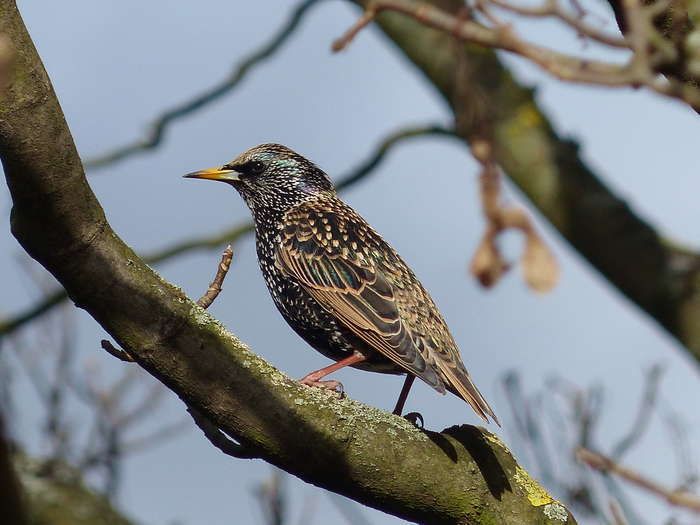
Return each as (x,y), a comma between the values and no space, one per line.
(605,464)
(552,8)
(642,39)
(643,417)
(687,468)
(216,285)
(217,438)
(384,146)
(616,512)
(272,497)
(341,43)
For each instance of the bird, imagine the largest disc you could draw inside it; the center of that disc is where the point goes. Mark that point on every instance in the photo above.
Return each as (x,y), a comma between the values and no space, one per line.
(338,284)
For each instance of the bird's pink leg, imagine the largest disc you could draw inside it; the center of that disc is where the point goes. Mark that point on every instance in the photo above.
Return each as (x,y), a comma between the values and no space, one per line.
(314,378)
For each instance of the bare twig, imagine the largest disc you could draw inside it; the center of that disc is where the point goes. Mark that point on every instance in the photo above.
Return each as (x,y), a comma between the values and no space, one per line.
(552,8)
(216,285)
(607,465)
(272,497)
(387,144)
(205,301)
(686,465)
(362,22)
(643,417)
(616,512)
(638,70)
(160,125)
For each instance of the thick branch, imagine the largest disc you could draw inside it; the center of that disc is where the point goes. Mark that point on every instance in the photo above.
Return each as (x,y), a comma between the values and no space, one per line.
(662,279)
(463,475)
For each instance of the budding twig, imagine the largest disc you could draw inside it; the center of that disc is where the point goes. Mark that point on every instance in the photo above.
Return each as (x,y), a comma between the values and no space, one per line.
(216,285)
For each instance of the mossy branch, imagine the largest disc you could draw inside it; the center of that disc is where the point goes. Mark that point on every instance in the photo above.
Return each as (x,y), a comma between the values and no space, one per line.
(462,475)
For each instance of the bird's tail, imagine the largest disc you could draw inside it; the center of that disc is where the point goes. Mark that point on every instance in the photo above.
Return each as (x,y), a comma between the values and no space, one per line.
(461,384)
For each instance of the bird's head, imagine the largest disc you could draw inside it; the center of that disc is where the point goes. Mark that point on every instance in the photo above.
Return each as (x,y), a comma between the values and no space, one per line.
(270,176)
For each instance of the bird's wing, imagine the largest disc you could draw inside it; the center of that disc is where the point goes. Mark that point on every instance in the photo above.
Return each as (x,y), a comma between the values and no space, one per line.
(331,258)
(355,275)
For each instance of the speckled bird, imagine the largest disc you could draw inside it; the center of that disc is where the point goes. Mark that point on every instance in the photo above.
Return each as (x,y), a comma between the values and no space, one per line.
(337,283)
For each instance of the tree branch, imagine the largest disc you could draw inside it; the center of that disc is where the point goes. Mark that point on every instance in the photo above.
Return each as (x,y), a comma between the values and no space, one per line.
(661,278)
(463,475)
(648,48)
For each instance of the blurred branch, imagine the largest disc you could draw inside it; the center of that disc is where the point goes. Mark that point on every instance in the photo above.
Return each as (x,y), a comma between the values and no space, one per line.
(617,515)
(648,48)
(561,418)
(158,128)
(644,412)
(387,144)
(63,499)
(686,465)
(659,276)
(113,410)
(272,497)
(605,464)
(235,233)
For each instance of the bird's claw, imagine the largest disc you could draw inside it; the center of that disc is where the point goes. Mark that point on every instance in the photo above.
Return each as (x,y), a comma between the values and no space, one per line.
(415,417)
(330,384)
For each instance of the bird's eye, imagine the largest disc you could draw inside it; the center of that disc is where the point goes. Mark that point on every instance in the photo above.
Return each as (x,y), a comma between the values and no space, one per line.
(255,167)
(250,168)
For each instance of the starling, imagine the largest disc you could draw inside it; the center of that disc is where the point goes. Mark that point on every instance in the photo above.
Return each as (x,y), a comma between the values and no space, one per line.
(337,283)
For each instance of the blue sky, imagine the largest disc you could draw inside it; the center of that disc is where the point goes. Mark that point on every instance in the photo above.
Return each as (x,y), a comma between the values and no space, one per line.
(116,65)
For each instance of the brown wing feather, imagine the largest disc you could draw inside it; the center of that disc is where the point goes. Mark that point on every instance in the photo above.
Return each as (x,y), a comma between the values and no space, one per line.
(354,274)
(361,299)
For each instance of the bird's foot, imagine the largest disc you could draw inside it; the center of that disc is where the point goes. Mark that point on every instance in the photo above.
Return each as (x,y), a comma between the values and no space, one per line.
(415,418)
(330,384)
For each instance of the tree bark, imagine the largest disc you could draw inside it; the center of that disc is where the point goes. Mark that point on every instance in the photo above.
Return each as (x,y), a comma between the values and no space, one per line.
(659,276)
(462,475)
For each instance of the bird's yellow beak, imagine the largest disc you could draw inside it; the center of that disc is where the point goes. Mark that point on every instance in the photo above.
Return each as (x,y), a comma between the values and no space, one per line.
(220,174)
